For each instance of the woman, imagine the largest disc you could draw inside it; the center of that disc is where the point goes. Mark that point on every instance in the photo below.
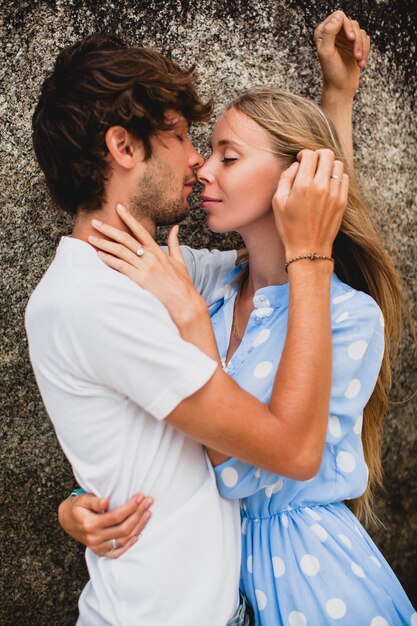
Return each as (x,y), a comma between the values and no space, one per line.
(306,559)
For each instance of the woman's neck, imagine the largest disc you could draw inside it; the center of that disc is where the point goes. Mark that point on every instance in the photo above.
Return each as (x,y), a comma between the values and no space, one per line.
(266,254)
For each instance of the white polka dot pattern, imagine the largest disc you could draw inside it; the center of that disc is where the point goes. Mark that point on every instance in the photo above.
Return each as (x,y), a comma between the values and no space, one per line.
(379,621)
(271,489)
(346,541)
(320,532)
(336,608)
(249,564)
(357,570)
(310,564)
(263,369)
(357,429)
(262,336)
(230,476)
(353,388)
(342,318)
(357,349)
(296,618)
(278,566)
(312,513)
(346,462)
(343,297)
(335,428)
(261,599)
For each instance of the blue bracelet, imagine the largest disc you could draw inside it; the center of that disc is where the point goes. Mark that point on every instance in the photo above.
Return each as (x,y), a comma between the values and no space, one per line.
(76,492)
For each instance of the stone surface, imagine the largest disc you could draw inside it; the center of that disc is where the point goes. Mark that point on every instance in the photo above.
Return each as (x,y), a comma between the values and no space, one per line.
(234,45)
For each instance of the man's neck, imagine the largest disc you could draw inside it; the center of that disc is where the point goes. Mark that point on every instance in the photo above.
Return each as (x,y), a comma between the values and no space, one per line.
(83,227)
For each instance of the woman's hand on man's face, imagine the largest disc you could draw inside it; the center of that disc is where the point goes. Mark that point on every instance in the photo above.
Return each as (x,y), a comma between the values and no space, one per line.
(310,202)
(106,533)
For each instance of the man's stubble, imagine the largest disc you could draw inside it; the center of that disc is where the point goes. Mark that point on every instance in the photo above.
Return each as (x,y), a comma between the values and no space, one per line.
(159,196)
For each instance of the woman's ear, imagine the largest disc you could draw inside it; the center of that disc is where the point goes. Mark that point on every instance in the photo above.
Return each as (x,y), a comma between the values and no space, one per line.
(123,147)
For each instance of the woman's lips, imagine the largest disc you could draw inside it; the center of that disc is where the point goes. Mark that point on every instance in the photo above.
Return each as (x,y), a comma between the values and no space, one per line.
(207,202)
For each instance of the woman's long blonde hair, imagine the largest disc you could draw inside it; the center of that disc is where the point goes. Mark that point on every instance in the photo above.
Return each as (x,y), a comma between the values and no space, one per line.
(294,123)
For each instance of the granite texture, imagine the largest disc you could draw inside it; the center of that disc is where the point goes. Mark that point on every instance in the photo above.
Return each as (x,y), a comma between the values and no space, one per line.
(234,45)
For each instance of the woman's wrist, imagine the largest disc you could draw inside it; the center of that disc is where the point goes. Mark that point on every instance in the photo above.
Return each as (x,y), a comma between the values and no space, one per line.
(332,95)
(305,270)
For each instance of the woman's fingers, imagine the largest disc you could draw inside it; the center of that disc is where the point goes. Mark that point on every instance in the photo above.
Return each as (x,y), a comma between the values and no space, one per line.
(366,45)
(121,513)
(136,228)
(105,549)
(118,250)
(120,236)
(122,532)
(357,48)
(308,160)
(344,190)
(174,245)
(324,168)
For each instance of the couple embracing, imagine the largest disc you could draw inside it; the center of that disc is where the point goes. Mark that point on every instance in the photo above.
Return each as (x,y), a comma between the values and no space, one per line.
(209,379)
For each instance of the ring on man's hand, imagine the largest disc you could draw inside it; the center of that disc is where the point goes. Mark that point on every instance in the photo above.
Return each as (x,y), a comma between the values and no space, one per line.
(113,544)
(336,177)
(140,251)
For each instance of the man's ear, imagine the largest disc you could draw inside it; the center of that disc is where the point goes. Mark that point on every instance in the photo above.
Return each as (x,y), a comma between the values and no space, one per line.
(122,147)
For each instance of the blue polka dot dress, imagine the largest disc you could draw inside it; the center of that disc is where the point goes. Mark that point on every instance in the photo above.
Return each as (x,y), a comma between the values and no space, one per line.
(306,560)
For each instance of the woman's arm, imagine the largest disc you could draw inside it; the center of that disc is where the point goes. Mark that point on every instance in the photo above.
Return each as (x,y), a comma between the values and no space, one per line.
(282,436)
(343,49)
(86,519)
(357,346)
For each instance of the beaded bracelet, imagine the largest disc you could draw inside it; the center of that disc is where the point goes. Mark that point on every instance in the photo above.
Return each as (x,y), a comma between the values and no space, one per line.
(312,256)
(76,492)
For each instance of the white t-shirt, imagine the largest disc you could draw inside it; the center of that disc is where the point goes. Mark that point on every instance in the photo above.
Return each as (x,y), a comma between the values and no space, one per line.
(111,365)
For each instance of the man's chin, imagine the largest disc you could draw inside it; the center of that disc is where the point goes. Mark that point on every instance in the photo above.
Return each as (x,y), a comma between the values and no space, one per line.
(174,217)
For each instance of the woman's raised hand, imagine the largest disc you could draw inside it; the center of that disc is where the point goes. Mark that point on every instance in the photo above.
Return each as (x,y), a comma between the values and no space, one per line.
(309,203)
(139,257)
(343,49)
(107,533)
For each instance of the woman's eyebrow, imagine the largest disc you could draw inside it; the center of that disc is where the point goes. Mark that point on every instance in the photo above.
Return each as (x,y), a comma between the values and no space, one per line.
(228,142)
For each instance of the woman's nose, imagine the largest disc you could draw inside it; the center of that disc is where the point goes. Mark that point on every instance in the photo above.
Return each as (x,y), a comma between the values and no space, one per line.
(204,174)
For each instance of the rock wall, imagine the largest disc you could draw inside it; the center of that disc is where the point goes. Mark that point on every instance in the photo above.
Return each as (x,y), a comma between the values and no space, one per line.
(234,45)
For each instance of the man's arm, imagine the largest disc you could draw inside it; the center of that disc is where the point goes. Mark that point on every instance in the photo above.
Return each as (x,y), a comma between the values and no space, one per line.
(343,49)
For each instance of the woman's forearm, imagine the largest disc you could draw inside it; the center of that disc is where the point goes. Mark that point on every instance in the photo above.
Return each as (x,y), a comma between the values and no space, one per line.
(338,105)
(301,392)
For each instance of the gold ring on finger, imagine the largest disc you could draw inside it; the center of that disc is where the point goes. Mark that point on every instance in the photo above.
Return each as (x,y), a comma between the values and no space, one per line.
(140,251)
(113,544)
(336,177)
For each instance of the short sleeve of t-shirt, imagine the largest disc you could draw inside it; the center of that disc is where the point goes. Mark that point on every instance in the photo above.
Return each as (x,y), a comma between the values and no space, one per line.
(122,337)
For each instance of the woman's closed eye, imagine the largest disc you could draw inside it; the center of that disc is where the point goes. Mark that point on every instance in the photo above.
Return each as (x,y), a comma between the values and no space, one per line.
(228,159)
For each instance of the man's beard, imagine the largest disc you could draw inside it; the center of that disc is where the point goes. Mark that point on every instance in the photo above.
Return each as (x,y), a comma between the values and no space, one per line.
(157,197)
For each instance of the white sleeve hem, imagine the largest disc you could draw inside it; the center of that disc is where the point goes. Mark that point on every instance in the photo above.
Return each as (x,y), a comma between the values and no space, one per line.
(191,381)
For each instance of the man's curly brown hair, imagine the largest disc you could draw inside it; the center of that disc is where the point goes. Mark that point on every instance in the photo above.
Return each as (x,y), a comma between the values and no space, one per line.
(97,83)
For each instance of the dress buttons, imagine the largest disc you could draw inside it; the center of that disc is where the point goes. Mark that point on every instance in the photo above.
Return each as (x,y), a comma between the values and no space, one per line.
(260,301)
(256,320)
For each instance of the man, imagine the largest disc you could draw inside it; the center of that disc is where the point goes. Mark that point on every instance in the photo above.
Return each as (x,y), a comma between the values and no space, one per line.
(121,386)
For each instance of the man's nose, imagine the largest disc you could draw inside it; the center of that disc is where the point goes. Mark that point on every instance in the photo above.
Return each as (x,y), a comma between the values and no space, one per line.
(196,160)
